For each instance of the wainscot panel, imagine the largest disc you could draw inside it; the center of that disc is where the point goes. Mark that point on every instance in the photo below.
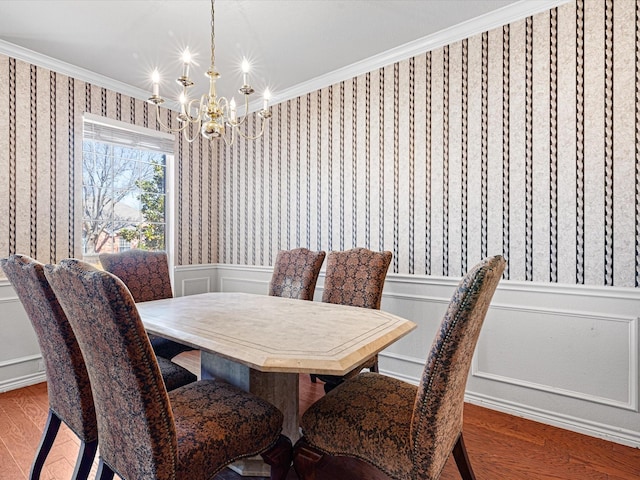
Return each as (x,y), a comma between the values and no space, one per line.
(563,355)
(20,359)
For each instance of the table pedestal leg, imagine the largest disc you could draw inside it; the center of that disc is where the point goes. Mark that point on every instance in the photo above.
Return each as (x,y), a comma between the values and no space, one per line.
(280,389)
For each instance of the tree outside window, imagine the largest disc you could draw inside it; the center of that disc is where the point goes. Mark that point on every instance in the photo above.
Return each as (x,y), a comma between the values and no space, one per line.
(124,192)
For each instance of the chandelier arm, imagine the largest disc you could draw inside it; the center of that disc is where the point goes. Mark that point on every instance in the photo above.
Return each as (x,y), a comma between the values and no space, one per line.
(168,127)
(197,118)
(232,136)
(255,137)
(211,116)
(223,103)
(237,123)
(195,135)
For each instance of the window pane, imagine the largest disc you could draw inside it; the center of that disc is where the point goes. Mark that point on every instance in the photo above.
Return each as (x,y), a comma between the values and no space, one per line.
(127,206)
(123,198)
(97,237)
(153,207)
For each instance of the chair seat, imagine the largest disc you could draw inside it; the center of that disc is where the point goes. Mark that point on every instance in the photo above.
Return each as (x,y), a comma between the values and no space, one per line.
(174,375)
(342,422)
(213,421)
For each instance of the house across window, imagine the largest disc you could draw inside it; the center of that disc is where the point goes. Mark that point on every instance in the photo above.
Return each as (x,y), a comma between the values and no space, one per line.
(124,178)
(124,244)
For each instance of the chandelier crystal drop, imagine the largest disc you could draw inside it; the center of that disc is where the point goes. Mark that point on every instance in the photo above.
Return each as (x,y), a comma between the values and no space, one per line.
(214,117)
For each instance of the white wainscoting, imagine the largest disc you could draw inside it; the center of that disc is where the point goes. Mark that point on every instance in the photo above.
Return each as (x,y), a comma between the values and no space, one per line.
(563,355)
(560,354)
(20,359)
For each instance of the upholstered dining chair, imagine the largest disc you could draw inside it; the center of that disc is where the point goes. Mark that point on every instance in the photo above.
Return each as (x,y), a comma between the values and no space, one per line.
(69,391)
(144,431)
(409,431)
(355,277)
(295,273)
(146,275)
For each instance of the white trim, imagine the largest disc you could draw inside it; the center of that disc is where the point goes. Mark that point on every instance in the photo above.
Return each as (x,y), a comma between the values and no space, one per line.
(227,266)
(405,359)
(19,360)
(483,23)
(568,422)
(632,382)
(622,293)
(417,298)
(64,68)
(188,281)
(110,122)
(194,268)
(9,300)
(21,382)
(240,279)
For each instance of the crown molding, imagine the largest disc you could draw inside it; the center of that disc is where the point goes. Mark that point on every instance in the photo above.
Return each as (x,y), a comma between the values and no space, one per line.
(64,68)
(498,18)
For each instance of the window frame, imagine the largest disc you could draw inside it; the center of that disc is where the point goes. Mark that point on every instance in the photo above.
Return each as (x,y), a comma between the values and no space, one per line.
(162,138)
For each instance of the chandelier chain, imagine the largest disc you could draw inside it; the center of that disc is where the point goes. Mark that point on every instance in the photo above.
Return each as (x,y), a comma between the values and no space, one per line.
(211,116)
(213,36)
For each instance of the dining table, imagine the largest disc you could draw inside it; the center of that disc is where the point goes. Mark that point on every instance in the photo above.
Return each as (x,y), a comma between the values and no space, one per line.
(263,343)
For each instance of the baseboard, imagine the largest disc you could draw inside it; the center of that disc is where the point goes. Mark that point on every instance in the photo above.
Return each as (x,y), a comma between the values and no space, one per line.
(567,422)
(23,381)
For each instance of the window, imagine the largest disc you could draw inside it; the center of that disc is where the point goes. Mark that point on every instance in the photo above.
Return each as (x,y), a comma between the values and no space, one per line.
(124,244)
(124,188)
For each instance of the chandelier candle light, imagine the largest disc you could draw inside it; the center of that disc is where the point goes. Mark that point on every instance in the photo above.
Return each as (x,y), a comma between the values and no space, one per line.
(211,115)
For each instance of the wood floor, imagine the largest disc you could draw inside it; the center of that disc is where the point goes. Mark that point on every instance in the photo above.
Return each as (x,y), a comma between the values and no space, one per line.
(501,447)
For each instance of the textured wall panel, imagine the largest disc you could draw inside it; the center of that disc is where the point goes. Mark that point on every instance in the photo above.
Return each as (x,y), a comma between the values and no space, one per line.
(521,141)
(518,141)
(41,165)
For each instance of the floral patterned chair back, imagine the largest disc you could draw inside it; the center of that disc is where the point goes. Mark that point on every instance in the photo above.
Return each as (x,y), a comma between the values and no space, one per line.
(144,431)
(145,273)
(295,273)
(356,277)
(437,417)
(406,431)
(68,386)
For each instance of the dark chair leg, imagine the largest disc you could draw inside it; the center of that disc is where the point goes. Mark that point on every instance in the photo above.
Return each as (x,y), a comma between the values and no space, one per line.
(306,459)
(48,436)
(85,460)
(375,368)
(462,460)
(104,471)
(279,458)
(332,383)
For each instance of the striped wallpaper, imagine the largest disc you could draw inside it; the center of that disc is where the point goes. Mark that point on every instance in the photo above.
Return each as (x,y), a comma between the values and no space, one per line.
(41,165)
(522,140)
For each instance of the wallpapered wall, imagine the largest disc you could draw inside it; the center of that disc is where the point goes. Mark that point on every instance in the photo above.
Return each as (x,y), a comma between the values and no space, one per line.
(520,141)
(41,163)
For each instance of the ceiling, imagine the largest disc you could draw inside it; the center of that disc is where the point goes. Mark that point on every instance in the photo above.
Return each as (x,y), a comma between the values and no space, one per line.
(288,42)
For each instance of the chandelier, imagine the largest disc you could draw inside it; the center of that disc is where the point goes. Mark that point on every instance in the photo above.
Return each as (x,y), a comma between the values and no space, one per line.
(212,116)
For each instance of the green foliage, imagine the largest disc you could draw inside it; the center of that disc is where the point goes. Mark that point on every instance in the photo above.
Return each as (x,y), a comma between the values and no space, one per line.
(152,198)
(112,176)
